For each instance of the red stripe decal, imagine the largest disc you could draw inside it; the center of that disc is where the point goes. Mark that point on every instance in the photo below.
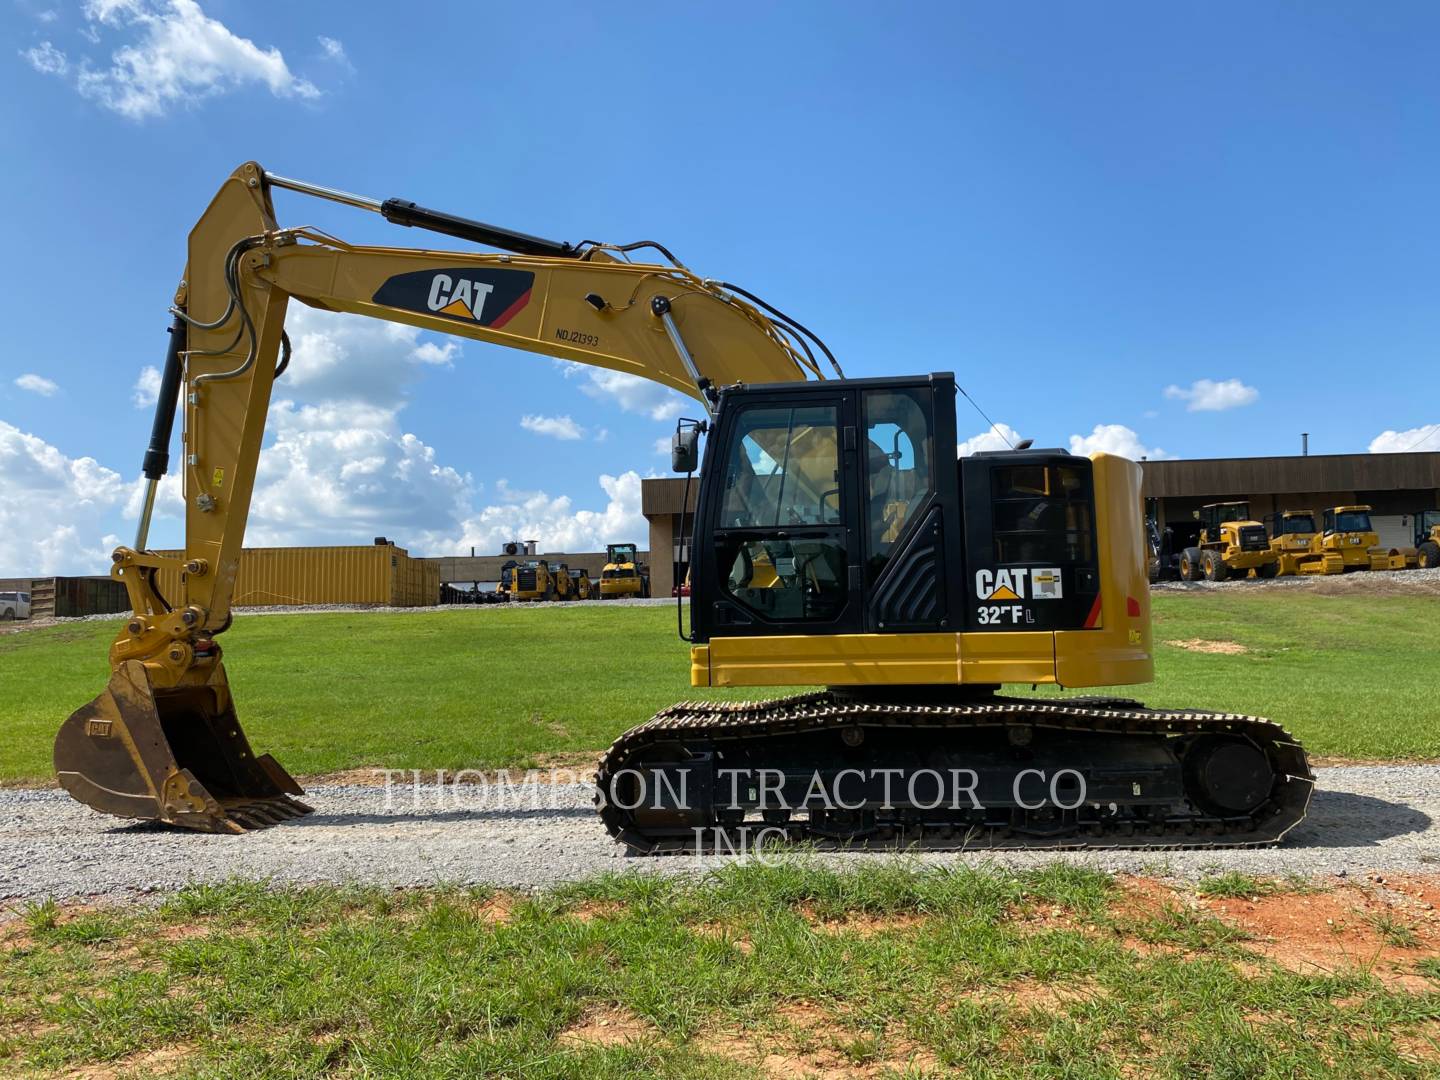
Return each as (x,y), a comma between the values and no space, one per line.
(510,312)
(1094,616)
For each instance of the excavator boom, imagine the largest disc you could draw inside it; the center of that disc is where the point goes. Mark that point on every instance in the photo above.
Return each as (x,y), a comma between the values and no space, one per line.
(163,741)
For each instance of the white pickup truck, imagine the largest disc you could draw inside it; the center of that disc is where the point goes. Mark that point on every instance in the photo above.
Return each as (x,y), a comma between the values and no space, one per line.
(14,605)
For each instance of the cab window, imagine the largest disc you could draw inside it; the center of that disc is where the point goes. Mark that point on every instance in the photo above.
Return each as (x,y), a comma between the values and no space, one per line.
(1352,521)
(784,469)
(783,479)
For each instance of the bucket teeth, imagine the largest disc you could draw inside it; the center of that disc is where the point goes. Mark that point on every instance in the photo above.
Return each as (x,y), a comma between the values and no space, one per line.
(262,813)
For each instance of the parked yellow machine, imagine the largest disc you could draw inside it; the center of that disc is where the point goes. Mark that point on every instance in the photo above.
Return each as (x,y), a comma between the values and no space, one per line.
(1019,567)
(570,584)
(533,580)
(1348,533)
(1231,543)
(1293,538)
(623,573)
(584,587)
(1427,539)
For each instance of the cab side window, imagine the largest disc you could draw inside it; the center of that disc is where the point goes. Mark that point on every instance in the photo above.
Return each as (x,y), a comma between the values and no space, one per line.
(899,468)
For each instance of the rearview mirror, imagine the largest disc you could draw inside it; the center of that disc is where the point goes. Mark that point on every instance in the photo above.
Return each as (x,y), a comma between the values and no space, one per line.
(685,450)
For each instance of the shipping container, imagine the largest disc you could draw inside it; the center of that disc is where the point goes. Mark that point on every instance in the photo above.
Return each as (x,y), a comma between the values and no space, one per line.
(381,574)
(69,597)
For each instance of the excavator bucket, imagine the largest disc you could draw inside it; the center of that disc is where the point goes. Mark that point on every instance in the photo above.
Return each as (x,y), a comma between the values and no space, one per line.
(173,755)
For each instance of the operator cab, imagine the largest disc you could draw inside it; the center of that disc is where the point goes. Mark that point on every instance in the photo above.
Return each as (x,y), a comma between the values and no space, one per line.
(841,508)
(1290,523)
(1347,519)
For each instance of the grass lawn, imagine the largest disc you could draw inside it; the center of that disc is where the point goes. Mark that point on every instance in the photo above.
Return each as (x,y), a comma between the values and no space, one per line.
(1351,676)
(776,971)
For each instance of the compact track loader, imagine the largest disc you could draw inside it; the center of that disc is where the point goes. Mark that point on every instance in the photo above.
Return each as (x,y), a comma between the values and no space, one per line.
(837,542)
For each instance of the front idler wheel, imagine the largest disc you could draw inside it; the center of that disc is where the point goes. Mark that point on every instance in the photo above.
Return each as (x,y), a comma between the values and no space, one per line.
(1227,775)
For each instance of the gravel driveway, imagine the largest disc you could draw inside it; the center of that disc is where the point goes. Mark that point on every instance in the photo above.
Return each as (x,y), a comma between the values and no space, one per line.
(1363,818)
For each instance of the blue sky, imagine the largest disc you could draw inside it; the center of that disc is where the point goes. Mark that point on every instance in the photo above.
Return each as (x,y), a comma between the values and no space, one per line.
(1073,206)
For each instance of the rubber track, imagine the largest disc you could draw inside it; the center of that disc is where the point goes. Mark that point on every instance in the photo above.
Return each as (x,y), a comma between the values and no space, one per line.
(750,721)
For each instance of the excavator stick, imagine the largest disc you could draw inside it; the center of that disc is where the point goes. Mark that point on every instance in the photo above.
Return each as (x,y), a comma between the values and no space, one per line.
(177,755)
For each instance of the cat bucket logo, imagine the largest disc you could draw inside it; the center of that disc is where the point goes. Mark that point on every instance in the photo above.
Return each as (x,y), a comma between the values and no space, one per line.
(1013,586)
(490,297)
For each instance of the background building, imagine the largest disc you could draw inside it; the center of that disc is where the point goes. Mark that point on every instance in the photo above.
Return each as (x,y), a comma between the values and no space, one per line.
(1395,486)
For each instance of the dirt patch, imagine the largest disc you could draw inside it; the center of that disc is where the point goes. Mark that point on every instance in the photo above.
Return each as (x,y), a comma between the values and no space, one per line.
(159,1062)
(728,934)
(1217,648)
(812,1042)
(1346,928)
(609,1025)
(495,910)
(859,923)
(597,909)
(178,932)
(1422,1045)
(1041,994)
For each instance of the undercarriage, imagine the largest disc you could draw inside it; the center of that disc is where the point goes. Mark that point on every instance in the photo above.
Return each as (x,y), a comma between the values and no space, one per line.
(835,770)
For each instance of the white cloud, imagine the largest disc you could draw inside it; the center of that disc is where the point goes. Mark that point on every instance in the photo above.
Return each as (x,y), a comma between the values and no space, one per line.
(556,427)
(37,384)
(49,15)
(436,355)
(990,439)
(339,467)
(147,387)
(344,472)
(663,444)
(349,358)
(630,392)
(46,59)
(333,50)
(1114,439)
(554,521)
(52,508)
(1207,395)
(1399,442)
(169,52)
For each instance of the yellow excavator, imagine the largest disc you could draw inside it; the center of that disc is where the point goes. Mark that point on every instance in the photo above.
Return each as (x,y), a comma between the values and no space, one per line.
(837,541)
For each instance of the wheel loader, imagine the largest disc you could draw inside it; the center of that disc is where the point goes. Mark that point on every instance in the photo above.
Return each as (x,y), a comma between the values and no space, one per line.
(1427,539)
(912,588)
(623,575)
(1231,543)
(1293,539)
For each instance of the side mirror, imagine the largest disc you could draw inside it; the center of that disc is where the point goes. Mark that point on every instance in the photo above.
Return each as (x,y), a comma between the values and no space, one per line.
(685,450)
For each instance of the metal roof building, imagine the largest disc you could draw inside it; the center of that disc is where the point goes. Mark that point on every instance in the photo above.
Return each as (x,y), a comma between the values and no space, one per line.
(1393,485)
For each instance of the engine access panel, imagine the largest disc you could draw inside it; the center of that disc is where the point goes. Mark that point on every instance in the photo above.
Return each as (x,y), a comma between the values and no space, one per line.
(1031,549)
